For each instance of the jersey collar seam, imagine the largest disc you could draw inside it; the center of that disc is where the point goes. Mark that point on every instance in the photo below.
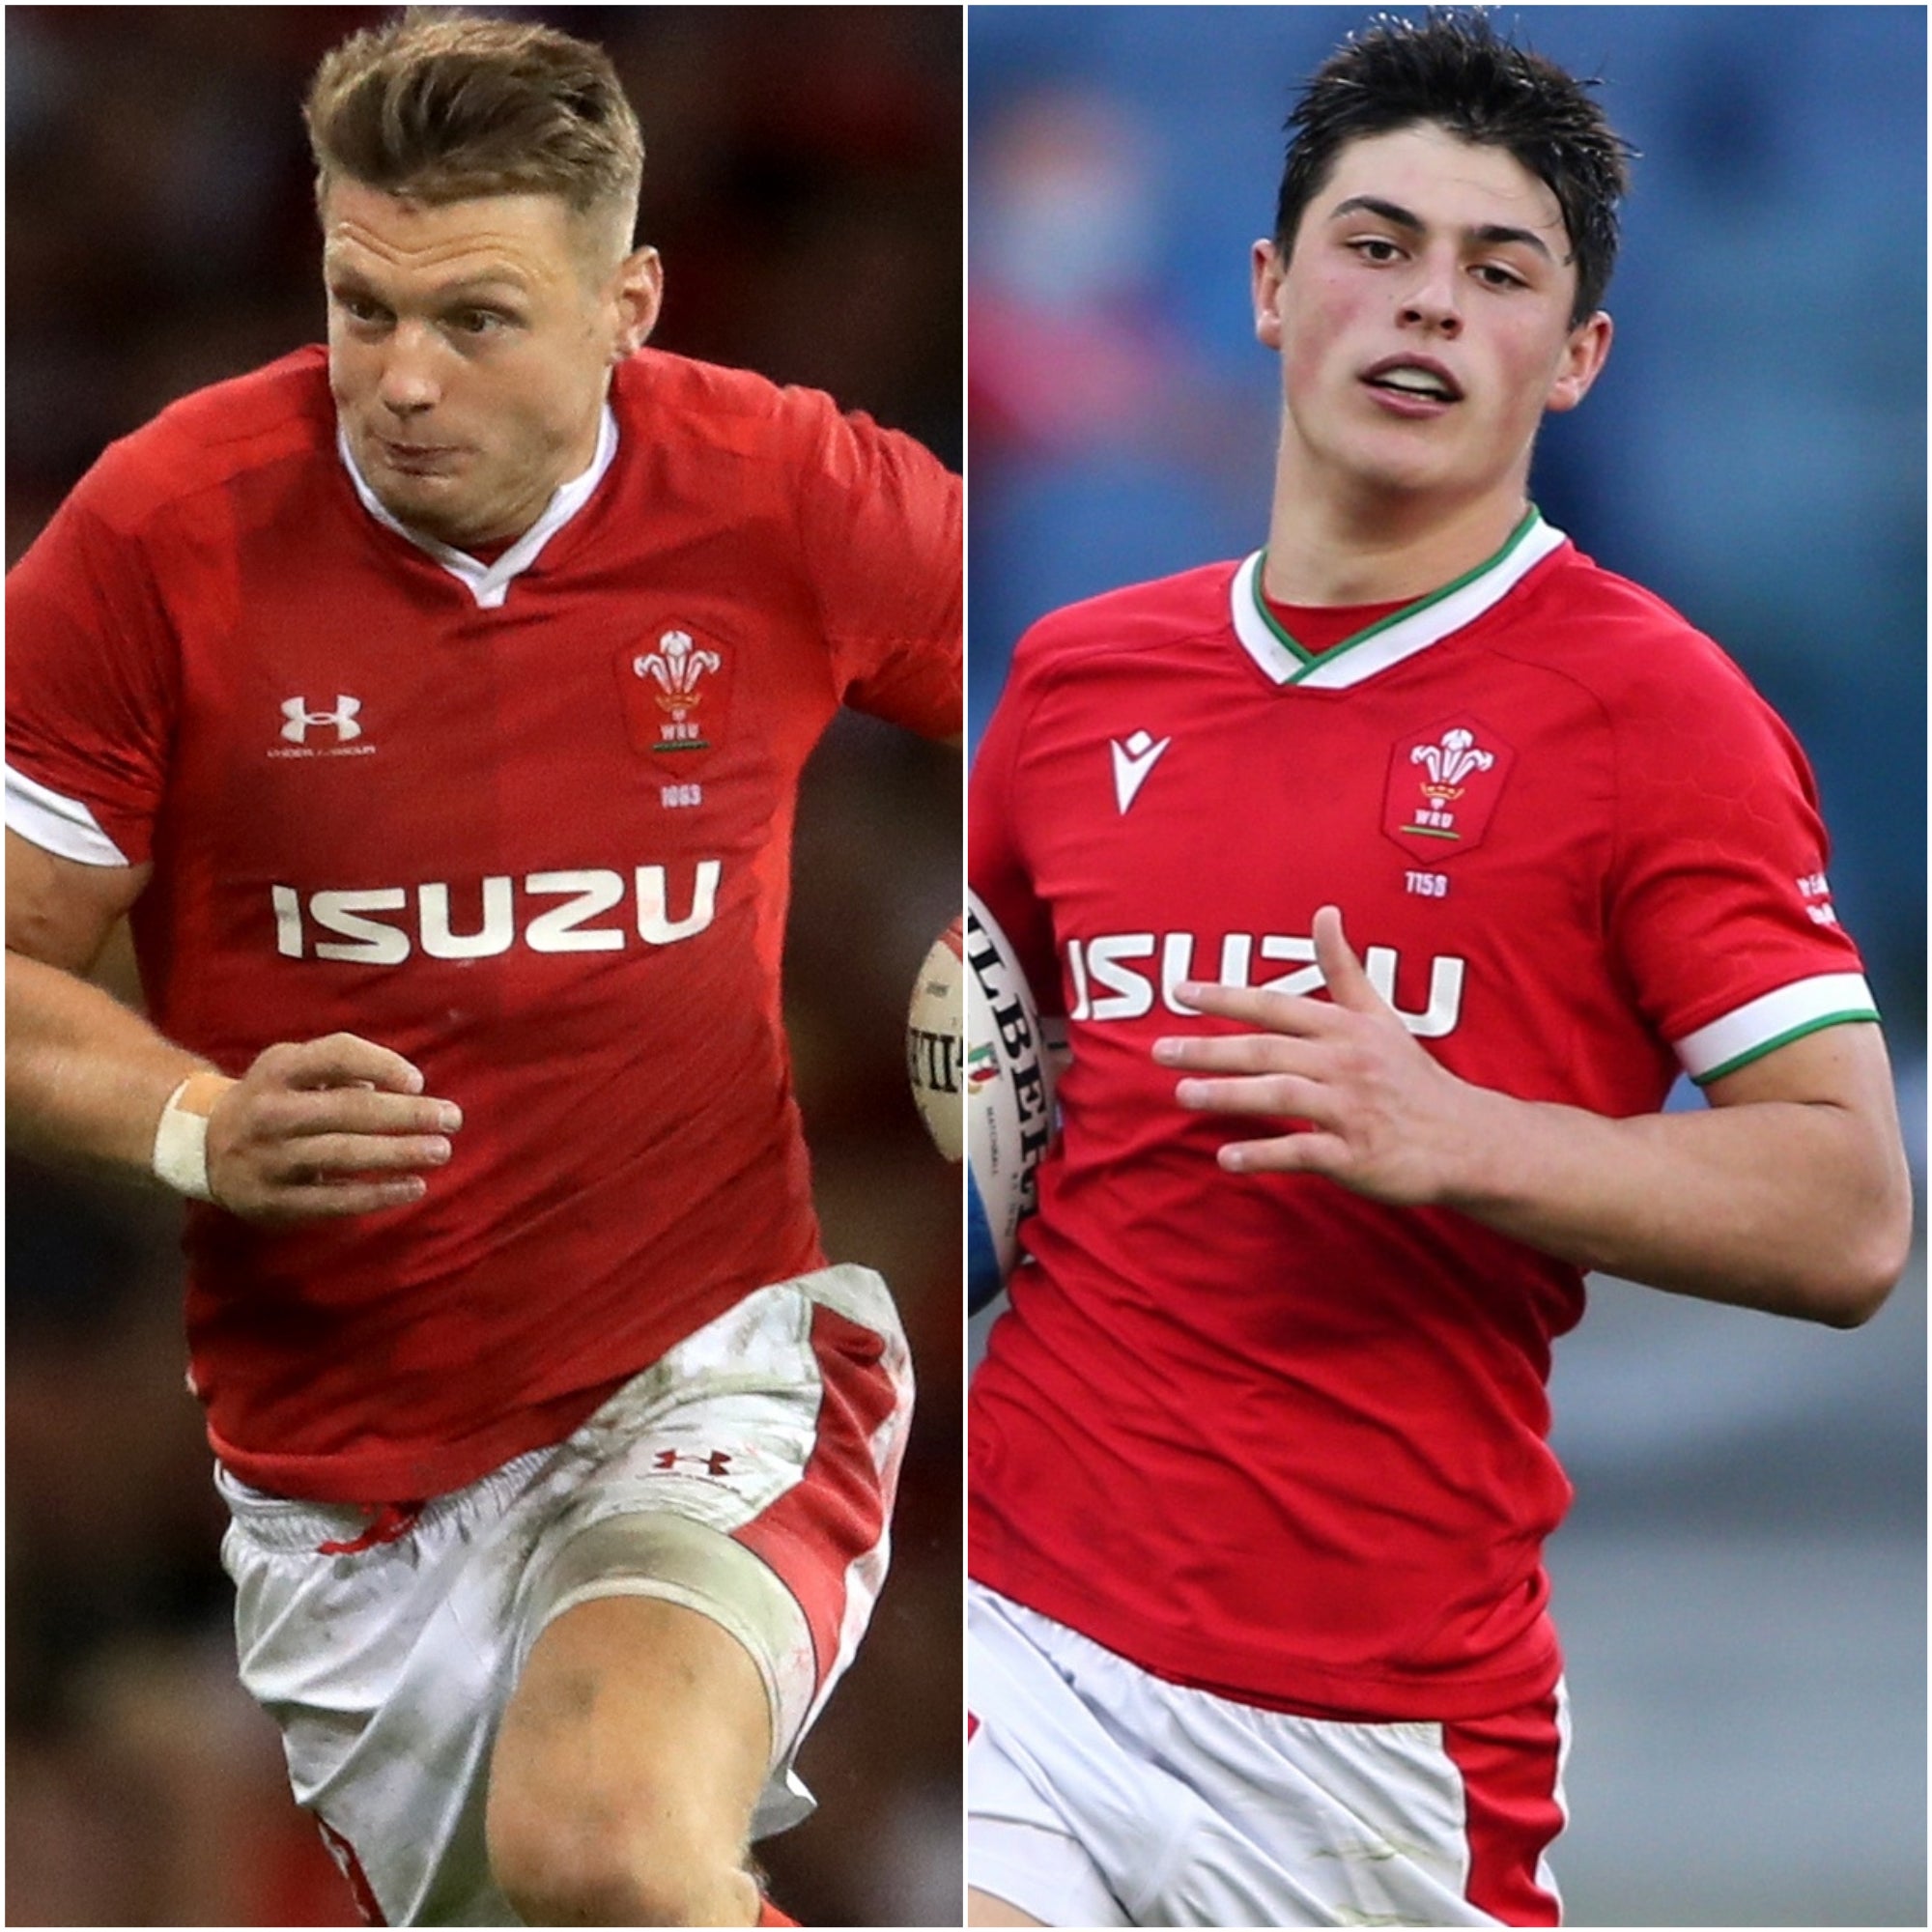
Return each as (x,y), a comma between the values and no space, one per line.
(1396,637)
(490,583)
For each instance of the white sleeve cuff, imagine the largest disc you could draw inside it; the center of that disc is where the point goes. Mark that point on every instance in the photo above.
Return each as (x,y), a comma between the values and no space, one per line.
(62,826)
(1772,1020)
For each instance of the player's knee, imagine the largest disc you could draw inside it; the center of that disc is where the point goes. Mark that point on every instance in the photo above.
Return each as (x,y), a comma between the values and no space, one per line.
(575,1859)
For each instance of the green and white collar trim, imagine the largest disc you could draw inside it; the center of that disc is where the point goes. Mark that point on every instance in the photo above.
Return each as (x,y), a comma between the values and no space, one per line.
(1400,635)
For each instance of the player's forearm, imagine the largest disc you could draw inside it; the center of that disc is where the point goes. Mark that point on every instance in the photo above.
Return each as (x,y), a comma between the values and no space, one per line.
(1790,1194)
(86,1077)
(1798,1208)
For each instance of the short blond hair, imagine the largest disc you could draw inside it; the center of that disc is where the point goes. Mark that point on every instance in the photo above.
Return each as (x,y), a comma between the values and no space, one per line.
(446,107)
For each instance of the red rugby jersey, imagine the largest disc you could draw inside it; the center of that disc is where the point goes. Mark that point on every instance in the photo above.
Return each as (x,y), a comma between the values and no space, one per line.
(533,831)
(1262,1434)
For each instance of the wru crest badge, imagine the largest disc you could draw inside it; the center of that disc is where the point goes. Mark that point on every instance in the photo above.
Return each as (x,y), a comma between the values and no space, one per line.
(1442,787)
(674,693)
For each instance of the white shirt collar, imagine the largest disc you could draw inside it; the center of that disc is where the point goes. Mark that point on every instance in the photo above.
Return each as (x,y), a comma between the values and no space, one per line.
(490,583)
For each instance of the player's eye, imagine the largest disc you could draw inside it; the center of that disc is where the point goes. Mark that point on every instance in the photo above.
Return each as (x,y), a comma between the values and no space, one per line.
(359,307)
(478,321)
(1499,277)
(1375,248)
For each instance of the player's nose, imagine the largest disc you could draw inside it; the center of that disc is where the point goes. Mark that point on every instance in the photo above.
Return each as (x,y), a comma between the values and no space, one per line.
(1431,300)
(407,383)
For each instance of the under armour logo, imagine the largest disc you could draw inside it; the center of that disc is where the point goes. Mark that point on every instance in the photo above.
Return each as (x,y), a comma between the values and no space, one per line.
(717,1462)
(300,718)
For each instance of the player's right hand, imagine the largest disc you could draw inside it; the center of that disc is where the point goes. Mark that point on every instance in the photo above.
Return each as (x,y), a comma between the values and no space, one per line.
(325,1128)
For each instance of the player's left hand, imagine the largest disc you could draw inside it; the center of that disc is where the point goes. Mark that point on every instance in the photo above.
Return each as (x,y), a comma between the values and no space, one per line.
(1383,1117)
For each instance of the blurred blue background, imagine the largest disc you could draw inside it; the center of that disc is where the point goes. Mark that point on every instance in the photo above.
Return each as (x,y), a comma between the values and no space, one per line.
(1742,1584)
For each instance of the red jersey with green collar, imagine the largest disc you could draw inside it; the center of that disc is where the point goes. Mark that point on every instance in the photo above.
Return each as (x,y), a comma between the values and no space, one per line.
(1261,1434)
(528,825)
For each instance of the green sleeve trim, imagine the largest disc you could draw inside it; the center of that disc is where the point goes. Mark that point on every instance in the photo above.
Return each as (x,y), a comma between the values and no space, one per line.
(1784,1039)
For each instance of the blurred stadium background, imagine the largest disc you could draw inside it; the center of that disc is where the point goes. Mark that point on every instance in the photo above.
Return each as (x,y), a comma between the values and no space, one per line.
(803,183)
(1742,1584)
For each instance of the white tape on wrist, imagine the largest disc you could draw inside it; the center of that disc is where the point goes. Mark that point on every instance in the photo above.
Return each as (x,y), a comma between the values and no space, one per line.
(180,1138)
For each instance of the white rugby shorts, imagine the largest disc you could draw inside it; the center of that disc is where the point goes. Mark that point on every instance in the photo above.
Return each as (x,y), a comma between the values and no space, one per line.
(1099,1795)
(749,1475)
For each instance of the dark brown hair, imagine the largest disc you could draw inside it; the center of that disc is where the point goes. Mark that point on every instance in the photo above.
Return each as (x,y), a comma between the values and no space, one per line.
(447,107)
(1455,71)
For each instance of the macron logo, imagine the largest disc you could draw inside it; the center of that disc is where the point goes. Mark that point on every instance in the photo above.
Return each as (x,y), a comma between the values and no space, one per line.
(1132,762)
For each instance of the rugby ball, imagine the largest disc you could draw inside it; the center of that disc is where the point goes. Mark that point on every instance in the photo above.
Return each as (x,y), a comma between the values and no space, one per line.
(1008,1082)
(933,1028)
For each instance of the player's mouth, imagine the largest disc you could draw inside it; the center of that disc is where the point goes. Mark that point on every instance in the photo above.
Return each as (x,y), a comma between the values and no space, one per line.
(1412,385)
(418,459)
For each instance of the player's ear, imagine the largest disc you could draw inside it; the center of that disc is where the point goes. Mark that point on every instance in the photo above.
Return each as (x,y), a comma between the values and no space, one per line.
(1583,358)
(637,292)
(1267,269)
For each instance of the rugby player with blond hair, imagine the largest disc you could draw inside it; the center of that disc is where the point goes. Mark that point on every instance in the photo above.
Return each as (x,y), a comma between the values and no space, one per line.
(433,704)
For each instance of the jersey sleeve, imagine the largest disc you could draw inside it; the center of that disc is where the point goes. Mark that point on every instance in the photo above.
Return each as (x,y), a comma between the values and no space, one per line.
(880,518)
(1719,904)
(90,685)
(997,869)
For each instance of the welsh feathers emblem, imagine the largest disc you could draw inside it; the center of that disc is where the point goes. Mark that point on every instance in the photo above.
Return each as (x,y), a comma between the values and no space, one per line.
(1443,784)
(674,685)
(678,669)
